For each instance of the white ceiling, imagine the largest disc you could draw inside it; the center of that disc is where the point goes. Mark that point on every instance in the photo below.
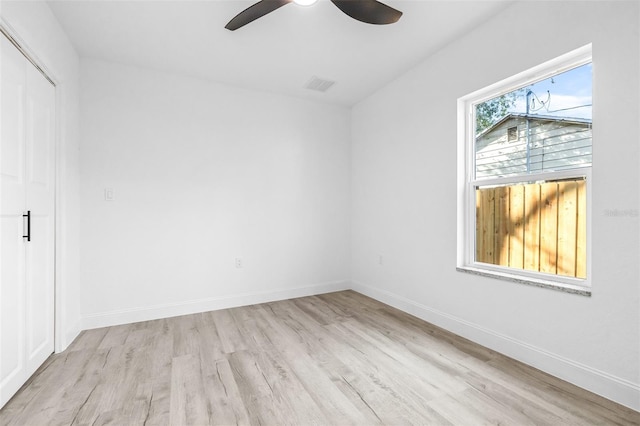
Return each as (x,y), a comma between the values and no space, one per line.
(279,52)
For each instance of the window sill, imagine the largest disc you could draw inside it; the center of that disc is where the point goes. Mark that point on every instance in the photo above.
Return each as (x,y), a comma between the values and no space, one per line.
(566,288)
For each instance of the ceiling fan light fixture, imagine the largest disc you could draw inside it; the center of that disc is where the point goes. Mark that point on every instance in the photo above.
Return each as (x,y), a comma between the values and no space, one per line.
(368,11)
(305,2)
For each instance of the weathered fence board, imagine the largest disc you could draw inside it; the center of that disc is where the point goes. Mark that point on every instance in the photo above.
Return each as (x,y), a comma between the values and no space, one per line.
(567,212)
(516,226)
(532,227)
(501,225)
(485,220)
(549,223)
(581,242)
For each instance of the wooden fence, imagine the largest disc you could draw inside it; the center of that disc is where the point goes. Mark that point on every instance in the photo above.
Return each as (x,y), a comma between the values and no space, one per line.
(538,227)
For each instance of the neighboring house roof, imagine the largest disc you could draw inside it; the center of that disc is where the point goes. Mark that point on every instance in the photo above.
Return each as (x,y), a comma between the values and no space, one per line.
(539,117)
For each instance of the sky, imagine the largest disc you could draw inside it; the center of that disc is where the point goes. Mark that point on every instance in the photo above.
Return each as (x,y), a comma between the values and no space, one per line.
(571,89)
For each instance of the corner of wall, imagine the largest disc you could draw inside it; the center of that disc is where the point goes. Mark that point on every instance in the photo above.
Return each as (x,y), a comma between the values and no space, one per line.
(69,336)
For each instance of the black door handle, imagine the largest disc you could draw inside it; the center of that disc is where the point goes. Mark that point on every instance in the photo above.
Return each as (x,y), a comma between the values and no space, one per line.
(28,216)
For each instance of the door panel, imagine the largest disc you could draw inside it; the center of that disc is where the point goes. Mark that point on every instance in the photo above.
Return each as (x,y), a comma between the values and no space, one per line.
(12,125)
(12,204)
(40,186)
(39,129)
(39,293)
(27,179)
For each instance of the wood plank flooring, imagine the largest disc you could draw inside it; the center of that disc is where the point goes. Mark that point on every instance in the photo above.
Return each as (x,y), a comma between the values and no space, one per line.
(333,359)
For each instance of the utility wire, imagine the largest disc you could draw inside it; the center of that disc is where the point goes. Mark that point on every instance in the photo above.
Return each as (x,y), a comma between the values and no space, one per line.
(575,107)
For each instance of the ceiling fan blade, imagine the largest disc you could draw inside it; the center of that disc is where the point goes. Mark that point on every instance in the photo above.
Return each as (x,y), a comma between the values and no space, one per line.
(254,12)
(369,11)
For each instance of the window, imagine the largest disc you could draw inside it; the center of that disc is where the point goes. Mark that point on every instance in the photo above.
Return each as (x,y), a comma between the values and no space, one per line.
(524,153)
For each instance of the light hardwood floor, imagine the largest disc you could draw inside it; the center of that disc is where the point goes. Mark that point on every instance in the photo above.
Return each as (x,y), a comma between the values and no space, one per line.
(333,359)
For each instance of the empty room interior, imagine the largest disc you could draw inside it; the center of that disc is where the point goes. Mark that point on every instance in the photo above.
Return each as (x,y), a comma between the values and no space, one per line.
(344,212)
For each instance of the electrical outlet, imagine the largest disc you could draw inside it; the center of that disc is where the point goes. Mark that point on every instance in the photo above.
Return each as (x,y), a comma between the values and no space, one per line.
(380,259)
(238,262)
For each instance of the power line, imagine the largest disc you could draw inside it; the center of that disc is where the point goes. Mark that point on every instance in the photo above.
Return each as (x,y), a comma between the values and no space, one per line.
(575,107)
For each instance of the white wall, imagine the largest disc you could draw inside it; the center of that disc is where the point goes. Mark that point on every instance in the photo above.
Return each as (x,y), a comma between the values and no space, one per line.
(203,173)
(35,27)
(404,197)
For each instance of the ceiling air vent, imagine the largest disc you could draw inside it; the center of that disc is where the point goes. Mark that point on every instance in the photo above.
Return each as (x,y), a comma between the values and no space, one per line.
(318,84)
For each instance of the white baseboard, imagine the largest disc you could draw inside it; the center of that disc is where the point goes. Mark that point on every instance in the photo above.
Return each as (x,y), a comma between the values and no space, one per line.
(146,313)
(611,387)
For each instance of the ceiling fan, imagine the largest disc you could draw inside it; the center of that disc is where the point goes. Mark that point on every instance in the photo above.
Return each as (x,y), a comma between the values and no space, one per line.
(369,11)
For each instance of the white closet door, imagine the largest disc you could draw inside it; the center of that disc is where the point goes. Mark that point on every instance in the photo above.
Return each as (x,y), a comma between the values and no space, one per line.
(40,186)
(26,184)
(13,75)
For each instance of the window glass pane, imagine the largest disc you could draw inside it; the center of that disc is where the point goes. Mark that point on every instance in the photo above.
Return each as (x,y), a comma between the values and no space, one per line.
(535,226)
(544,126)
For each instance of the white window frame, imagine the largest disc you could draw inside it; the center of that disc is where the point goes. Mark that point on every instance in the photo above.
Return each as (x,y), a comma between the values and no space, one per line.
(466,230)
